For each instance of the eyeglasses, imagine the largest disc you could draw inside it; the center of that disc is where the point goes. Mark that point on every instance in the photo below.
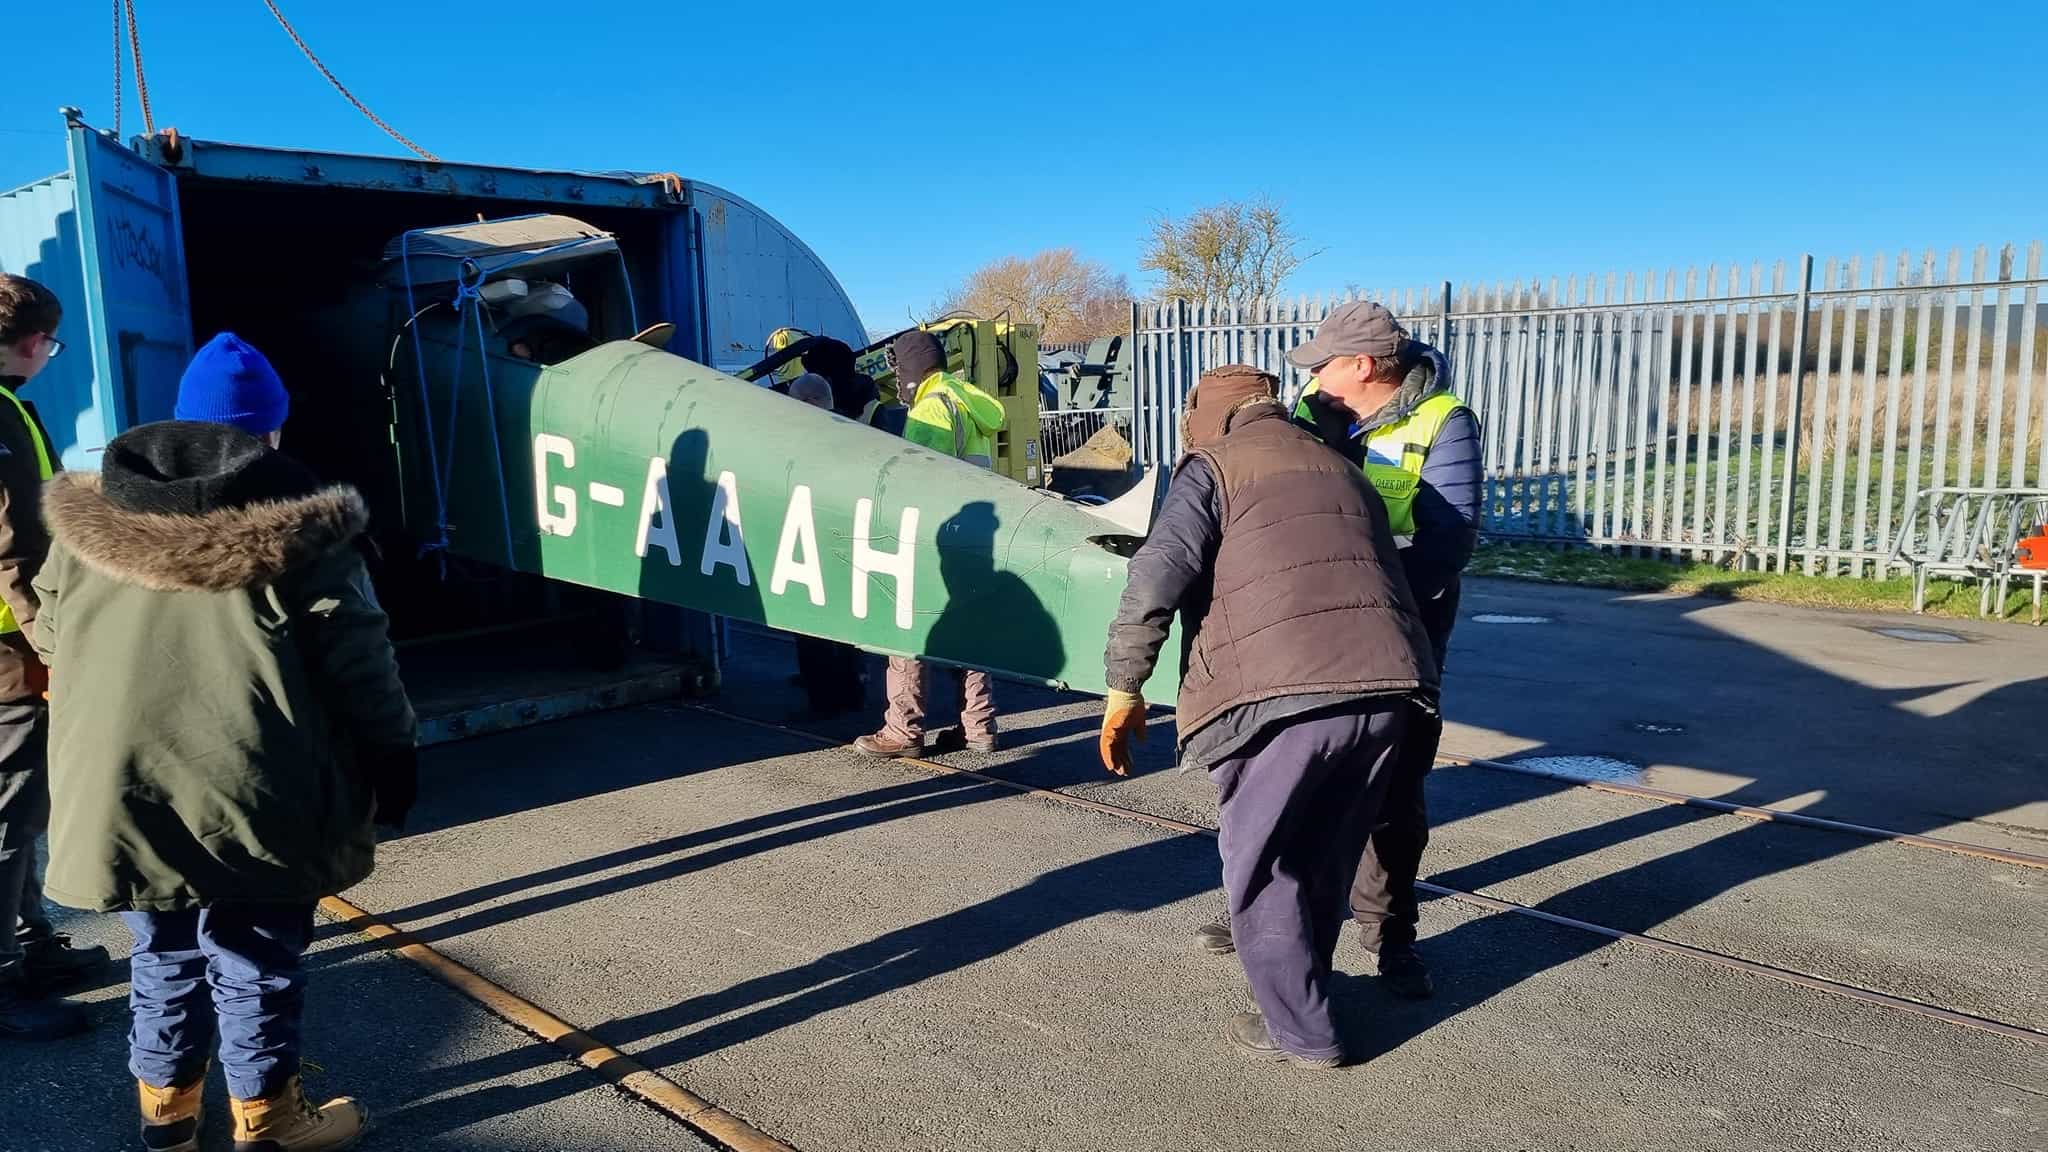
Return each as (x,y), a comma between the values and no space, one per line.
(56,345)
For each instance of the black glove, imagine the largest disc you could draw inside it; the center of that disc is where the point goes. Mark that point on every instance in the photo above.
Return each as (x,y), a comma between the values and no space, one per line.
(394,775)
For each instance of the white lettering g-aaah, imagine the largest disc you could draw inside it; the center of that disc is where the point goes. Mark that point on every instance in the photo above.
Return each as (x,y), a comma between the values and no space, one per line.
(724,550)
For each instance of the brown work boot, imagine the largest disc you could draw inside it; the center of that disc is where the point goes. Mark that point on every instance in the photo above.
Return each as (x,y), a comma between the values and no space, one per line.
(1215,938)
(1247,1033)
(888,746)
(170,1116)
(288,1122)
(956,739)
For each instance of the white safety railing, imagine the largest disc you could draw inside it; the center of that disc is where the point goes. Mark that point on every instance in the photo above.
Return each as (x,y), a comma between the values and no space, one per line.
(1780,418)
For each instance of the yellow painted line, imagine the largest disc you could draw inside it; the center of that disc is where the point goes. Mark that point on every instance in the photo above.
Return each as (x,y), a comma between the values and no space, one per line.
(618,1069)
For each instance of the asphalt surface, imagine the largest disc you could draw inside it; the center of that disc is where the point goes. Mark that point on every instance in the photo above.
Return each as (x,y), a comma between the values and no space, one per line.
(1809,710)
(860,955)
(435,1070)
(854,955)
(1800,709)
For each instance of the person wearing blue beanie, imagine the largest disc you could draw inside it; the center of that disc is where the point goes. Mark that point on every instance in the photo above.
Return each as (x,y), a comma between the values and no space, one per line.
(230,382)
(228,729)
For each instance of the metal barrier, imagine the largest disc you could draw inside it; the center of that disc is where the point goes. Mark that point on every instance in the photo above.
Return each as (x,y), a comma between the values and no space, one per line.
(1758,418)
(1970,534)
(1061,432)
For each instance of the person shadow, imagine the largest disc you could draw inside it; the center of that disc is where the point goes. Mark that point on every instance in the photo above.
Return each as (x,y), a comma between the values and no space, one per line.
(990,615)
(1487,955)
(700,522)
(1147,876)
(993,615)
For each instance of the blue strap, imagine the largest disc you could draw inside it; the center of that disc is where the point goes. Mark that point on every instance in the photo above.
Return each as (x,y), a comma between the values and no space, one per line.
(465,293)
(419,368)
(470,296)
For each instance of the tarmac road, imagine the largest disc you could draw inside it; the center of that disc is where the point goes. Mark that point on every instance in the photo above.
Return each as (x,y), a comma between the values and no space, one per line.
(855,955)
(435,1070)
(860,955)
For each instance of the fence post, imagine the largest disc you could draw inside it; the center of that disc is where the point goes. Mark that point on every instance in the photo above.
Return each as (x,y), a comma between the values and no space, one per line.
(1138,408)
(1792,409)
(1443,323)
(1182,318)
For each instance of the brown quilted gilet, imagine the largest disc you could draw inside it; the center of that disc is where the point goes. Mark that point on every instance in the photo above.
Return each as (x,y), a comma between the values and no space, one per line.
(1309,598)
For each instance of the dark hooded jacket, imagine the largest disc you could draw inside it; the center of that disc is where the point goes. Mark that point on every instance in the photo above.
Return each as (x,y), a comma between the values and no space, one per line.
(221,677)
(1447,504)
(1277,555)
(852,389)
(1448,499)
(23,541)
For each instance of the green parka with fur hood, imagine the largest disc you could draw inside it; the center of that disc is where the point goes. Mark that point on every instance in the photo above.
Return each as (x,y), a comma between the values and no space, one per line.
(222,681)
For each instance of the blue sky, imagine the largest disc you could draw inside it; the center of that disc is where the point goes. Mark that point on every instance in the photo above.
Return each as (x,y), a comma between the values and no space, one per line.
(908,143)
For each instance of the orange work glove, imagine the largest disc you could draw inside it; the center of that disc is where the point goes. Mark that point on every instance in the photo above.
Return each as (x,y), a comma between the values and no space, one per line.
(1122,722)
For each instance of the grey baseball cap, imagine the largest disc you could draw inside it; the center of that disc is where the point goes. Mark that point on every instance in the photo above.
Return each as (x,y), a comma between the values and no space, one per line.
(1360,328)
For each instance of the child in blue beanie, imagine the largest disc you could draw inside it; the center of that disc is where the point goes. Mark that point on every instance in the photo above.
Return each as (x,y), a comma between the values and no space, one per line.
(216,774)
(230,382)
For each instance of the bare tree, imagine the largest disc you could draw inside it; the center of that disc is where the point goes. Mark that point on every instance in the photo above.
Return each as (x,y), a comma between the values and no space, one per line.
(1069,298)
(1235,252)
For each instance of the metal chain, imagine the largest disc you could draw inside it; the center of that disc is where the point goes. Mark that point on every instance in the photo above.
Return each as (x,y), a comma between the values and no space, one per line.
(141,82)
(341,88)
(117,69)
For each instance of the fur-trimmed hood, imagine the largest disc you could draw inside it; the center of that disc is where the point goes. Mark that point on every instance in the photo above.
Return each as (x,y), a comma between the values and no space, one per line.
(216,551)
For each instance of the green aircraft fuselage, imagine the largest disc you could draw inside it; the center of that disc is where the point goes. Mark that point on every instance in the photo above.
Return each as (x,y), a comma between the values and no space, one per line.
(633,470)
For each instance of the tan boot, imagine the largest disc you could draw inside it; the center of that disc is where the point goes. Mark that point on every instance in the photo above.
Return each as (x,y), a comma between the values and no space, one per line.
(887,746)
(288,1122)
(170,1116)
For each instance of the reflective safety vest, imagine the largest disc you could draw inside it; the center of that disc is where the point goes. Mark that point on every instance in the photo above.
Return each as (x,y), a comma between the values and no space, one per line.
(960,424)
(1394,455)
(970,443)
(43,471)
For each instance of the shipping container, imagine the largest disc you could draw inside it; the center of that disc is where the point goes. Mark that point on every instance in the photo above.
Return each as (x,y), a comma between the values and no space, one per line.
(156,244)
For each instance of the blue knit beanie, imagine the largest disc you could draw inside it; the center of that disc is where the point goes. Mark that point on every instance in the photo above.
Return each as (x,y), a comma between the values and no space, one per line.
(229,382)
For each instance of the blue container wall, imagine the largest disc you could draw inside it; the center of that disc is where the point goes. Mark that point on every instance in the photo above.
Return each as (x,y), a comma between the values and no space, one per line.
(39,240)
(760,277)
(757,276)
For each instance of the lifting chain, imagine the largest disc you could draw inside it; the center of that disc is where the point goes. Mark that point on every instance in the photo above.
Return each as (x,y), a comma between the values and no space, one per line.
(340,87)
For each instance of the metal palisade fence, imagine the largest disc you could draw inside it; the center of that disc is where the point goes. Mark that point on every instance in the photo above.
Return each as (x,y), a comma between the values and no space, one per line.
(1781,418)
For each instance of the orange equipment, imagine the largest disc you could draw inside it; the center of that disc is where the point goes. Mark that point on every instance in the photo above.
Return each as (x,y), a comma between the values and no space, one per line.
(2033,552)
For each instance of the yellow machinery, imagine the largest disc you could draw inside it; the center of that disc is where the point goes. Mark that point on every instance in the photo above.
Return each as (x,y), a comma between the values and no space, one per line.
(1000,358)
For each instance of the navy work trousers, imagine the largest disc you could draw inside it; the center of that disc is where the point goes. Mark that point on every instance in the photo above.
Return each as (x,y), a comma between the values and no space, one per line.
(24,816)
(230,969)
(1295,811)
(831,675)
(1383,897)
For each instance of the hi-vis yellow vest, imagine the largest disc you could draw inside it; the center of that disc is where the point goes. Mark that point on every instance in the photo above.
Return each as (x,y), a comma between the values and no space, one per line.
(7,621)
(1395,453)
(970,443)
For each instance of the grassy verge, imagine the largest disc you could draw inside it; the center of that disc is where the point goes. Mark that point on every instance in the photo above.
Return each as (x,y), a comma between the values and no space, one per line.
(1594,569)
